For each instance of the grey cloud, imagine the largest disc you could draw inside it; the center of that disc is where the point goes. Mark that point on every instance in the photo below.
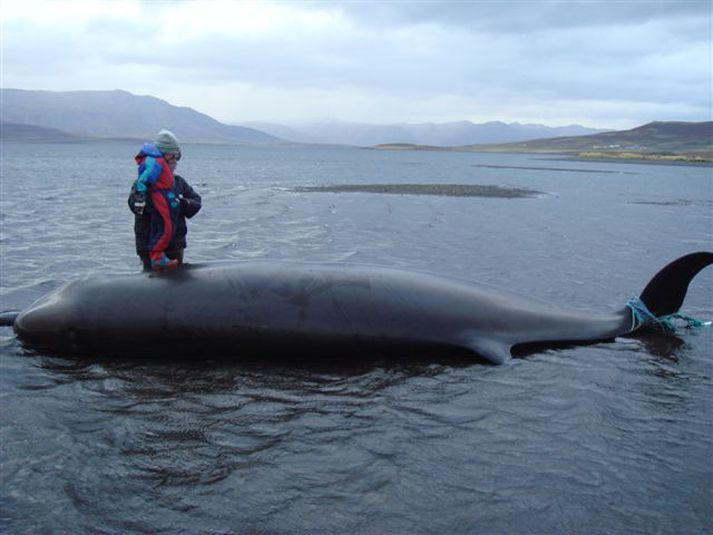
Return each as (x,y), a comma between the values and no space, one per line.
(654,53)
(523,15)
(601,63)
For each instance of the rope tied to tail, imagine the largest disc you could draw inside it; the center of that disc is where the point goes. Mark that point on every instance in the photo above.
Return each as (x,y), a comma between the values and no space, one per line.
(641,316)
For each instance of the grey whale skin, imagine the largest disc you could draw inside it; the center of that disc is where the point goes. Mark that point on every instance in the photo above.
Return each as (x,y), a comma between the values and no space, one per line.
(300,309)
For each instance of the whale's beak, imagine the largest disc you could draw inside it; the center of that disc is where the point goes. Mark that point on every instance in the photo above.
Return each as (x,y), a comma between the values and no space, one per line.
(45,324)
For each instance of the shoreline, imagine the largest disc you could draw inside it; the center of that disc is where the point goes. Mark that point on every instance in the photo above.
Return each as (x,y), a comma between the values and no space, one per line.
(671,159)
(589,156)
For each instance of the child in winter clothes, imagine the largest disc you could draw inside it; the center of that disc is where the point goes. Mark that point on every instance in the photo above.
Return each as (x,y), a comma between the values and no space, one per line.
(155,181)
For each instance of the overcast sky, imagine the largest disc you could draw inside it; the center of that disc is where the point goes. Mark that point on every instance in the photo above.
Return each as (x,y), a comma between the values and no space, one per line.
(609,64)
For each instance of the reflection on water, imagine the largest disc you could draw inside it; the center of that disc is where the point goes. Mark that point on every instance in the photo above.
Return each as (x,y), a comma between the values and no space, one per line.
(667,346)
(606,438)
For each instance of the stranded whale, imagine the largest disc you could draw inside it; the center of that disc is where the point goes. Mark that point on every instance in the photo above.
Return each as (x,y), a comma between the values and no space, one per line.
(273,308)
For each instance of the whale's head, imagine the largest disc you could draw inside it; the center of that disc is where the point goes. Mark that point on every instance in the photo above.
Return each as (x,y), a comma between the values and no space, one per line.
(49,323)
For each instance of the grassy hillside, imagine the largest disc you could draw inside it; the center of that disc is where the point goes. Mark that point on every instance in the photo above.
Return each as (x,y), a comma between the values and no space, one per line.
(675,141)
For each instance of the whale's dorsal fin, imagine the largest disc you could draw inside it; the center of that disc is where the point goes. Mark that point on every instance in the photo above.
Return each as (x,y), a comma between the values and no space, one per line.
(493,350)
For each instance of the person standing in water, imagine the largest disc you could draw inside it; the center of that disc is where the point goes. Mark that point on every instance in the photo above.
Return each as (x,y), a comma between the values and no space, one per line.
(190,203)
(155,183)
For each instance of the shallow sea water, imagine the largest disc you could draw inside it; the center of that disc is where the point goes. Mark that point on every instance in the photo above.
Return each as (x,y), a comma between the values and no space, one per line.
(614,437)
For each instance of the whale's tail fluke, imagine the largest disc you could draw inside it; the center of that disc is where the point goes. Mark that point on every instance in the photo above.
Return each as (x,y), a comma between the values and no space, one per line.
(664,294)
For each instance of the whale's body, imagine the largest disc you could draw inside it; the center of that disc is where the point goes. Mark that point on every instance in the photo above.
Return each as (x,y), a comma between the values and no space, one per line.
(303,309)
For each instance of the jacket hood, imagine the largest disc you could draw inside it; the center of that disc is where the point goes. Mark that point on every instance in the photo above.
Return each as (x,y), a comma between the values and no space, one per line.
(149,149)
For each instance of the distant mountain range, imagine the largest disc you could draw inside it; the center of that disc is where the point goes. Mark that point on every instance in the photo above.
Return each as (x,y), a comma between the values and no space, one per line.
(115,114)
(76,115)
(438,134)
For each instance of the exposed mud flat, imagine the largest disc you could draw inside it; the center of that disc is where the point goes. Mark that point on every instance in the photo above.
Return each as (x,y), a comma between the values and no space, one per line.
(680,202)
(529,168)
(444,190)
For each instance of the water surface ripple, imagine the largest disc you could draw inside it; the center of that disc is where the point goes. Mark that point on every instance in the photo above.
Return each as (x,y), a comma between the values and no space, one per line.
(607,438)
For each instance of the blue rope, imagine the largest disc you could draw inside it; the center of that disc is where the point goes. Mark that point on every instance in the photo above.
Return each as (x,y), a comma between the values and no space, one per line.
(642,316)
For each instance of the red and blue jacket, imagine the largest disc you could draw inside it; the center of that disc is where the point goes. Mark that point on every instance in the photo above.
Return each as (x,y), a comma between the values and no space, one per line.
(156,180)
(153,170)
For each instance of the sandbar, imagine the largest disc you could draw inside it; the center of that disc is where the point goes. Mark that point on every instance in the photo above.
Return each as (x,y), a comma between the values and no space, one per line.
(443,190)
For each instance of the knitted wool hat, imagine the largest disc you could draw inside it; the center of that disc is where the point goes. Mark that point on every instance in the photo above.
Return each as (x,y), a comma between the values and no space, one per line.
(167,143)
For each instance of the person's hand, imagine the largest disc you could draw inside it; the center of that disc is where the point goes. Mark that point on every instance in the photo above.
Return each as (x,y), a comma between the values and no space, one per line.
(139,204)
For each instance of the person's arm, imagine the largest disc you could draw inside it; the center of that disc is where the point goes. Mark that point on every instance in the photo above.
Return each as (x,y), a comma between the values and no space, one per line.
(137,201)
(149,175)
(191,202)
(150,171)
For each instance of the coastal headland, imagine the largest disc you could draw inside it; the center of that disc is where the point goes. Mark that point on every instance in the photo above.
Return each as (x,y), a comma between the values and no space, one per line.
(657,142)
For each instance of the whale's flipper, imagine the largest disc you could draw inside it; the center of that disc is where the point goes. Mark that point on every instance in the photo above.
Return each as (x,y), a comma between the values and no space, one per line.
(664,294)
(491,350)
